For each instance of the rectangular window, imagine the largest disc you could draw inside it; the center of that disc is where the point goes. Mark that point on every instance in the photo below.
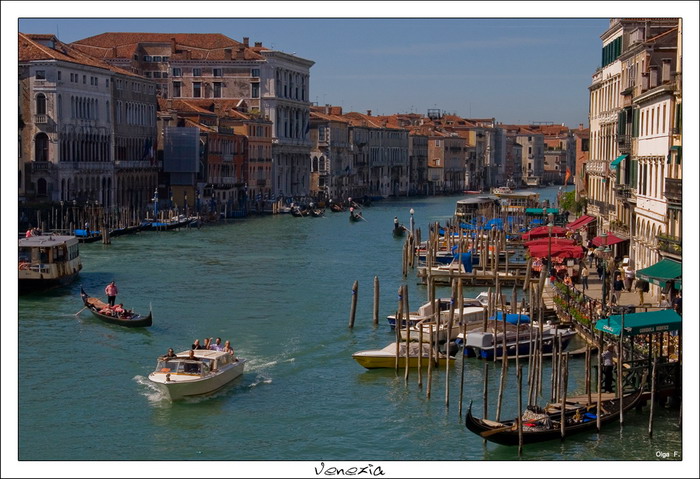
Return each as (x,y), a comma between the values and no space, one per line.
(148,74)
(177,89)
(217,89)
(197,89)
(166,59)
(217,72)
(84,79)
(59,76)
(177,72)
(255,72)
(157,59)
(165,74)
(147,58)
(197,72)
(156,74)
(255,90)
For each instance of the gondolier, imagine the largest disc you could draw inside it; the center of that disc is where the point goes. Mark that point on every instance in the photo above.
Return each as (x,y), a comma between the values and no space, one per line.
(111,292)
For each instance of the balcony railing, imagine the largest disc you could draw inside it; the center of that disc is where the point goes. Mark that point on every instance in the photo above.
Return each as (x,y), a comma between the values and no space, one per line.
(624,143)
(41,119)
(673,190)
(623,192)
(669,244)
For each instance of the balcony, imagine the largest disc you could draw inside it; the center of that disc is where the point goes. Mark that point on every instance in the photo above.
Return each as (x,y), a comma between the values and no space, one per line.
(623,192)
(41,166)
(673,190)
(624,144)
(669,244)
(41,119)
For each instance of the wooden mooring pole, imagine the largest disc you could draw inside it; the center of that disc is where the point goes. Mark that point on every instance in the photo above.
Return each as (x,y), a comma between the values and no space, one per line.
(652,399)
(353,305)
(375,313)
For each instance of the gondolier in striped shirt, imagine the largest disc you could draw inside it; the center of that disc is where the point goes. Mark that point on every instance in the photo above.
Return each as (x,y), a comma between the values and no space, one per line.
(111,292)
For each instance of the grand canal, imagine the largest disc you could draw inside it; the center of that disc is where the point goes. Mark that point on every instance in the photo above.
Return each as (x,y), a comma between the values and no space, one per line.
(279,288)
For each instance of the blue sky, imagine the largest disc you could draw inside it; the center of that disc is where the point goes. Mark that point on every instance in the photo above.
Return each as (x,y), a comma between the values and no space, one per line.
(516,70)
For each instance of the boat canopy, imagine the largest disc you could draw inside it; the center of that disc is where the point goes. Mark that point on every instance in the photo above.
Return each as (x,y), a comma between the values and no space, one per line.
(511,318)
(641,323)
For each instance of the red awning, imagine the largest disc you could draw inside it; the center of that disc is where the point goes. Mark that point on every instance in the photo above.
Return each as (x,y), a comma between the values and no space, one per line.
(580,222)
(564,251)
(554,240)
(543,232)
(610,240)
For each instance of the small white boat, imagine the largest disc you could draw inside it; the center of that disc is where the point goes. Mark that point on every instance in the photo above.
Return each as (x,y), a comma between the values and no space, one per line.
(386,357)
(209,371)
(469,317)
(425,311)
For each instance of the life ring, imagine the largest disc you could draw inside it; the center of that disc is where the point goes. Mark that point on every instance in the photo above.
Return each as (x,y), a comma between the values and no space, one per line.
(24,266)
(165,370)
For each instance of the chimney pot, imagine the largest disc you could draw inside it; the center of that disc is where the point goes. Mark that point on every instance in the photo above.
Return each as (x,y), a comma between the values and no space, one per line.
(245,41)
(258,44)
(369,112)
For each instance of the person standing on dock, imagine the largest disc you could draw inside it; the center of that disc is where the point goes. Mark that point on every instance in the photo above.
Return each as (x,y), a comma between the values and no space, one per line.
(608,367)
(111,292)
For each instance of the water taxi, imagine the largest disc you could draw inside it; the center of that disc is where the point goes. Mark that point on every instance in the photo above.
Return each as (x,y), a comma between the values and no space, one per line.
(47,261)
(183,376)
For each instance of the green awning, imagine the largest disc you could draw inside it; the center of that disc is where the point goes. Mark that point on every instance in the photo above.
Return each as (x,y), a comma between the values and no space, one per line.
(641,323)
(617,161)
(661,272)
(541,211)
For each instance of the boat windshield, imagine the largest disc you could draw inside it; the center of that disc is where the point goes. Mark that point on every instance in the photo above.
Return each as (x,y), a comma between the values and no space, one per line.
(182,366)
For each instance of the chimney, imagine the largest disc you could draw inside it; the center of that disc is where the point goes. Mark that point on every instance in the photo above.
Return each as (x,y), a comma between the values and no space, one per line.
(228,53)
(580,126)
(665,70)
(369,112)
(653,76)
(173,44)
(645,81)
(245,41)
(258,44)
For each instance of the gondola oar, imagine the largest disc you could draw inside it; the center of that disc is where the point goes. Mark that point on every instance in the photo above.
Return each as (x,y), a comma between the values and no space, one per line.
(84,307)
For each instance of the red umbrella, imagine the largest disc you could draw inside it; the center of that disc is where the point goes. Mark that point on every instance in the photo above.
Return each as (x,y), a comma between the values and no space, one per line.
(610,240)
(543,232)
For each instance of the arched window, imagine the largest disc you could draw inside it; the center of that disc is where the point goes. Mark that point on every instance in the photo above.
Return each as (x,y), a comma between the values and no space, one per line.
(41,104)
(41,147)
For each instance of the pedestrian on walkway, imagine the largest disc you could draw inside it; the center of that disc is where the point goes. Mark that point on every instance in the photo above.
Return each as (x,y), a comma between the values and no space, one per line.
(618,286)
(642,286)
(608,367)
(599,269)
(584,277)
(629,277)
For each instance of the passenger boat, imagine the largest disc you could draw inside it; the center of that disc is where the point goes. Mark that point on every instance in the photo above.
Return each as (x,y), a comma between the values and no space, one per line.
(209,371)
(103,311)
(486,344)
(545,424)
(47,261)
(426,311)
(386,357)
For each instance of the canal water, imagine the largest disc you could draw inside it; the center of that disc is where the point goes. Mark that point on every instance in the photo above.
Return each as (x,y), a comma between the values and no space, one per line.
(280,288)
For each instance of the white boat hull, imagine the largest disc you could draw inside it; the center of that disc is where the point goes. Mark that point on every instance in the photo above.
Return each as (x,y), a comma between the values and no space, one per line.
(179,386)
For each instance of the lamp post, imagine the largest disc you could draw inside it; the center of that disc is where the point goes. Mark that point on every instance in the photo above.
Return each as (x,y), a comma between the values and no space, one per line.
(411,220)
(62,216)
(155,204)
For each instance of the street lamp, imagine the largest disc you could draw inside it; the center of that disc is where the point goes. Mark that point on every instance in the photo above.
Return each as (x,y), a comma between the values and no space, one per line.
(62,222)
(411,220)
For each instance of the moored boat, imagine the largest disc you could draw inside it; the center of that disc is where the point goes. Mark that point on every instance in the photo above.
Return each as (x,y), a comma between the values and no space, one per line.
(544,424)
(47,261)
(208,371)
(486,344)
(116,315)
(386,357)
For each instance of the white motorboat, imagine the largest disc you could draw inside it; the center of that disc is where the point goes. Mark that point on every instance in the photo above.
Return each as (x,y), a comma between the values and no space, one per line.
(469,317)
(181,376)
(386,357)
(426,311)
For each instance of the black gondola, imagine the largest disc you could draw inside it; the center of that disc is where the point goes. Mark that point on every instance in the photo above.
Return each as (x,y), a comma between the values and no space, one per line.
(399,230)
(355,216)
(96,306)
(544,425)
